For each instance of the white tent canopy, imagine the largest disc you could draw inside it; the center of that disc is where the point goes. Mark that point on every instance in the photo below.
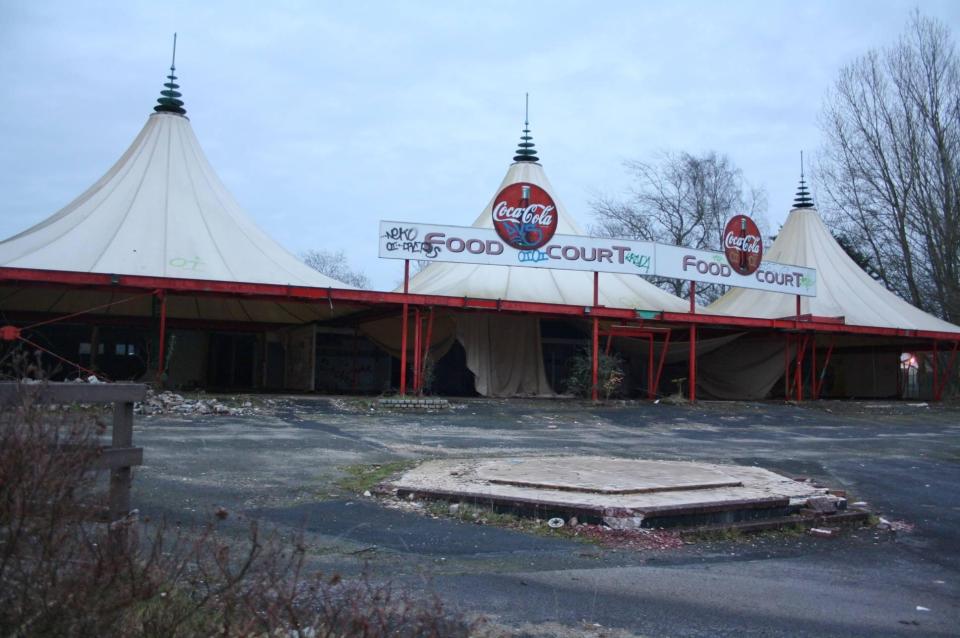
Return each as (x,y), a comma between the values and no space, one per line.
(843,288)
(159,211)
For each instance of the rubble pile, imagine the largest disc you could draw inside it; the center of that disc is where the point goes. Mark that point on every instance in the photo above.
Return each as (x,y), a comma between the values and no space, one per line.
(172,403)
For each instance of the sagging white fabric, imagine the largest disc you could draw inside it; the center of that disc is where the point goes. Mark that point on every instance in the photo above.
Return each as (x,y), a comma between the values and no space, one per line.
(160,211)
(504,353)
(745,369)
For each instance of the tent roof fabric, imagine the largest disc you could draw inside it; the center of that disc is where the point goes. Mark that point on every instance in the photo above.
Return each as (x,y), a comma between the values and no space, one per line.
(517,283)
(160,211)
(843,288)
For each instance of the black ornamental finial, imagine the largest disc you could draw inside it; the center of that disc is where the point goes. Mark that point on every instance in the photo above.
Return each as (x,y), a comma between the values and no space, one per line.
(169,100)
(525,150)
(803,199)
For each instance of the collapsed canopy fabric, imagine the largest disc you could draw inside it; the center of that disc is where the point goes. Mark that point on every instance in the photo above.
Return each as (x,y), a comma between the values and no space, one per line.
(843,288)
(160,211)
(517,283)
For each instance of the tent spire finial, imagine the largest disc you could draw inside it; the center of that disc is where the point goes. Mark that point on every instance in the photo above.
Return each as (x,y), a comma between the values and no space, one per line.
(525,150)
(803,199)
(169,100)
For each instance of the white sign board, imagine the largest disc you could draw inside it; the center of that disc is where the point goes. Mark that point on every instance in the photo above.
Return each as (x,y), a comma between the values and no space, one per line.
(469,245)
(677,262)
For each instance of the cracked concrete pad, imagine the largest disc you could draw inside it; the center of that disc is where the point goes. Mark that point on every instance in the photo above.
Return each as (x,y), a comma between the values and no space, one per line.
(607,486)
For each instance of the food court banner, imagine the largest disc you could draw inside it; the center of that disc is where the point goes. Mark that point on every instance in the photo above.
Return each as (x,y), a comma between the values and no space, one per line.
(469,245)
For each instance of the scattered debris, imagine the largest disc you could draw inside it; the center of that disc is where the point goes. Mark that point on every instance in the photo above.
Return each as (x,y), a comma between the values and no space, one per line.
(555,523)
(922,608)
(823,532)
(172,403)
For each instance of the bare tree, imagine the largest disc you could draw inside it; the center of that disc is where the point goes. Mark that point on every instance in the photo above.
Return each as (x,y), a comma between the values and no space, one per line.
(334,264)
(889,170)
(680,199)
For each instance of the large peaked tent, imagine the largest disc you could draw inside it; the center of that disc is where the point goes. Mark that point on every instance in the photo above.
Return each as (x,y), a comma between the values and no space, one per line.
(749,367)
(160,238)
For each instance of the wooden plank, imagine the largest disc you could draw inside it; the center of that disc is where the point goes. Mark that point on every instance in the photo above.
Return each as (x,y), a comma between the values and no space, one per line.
(12,392)
(115,458)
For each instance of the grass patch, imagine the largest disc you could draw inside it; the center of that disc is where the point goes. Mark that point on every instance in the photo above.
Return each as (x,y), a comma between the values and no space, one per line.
(360,478)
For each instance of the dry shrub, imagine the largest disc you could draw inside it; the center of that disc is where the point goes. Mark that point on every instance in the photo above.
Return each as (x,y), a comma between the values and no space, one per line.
(62,573)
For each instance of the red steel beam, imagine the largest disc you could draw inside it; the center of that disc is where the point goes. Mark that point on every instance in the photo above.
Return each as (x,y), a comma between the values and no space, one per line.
(367,297)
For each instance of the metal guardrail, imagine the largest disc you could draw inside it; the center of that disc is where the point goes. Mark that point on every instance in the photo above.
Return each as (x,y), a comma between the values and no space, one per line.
(120,456)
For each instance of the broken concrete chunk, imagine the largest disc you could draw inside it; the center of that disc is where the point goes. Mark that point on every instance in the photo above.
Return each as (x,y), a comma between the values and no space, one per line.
(823,532)
(623,522)
(822,504)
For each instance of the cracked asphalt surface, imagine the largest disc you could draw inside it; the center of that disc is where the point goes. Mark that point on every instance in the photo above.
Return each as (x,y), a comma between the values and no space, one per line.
(904,459)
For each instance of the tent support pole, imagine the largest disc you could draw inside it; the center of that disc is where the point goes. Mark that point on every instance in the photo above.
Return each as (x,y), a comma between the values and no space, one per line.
(813,367)
(936,372)
(163,334)
(650,370)
(693,362)
(786,369)
(663,357)
(798,310)
(595,362)
(417,330)
(938,386)
(818,383)
(692,381)
(403,330)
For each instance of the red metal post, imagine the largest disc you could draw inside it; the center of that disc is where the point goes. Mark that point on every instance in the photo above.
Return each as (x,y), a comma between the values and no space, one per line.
(650,370)
(693,297)
(595,373)
(786,369)
(163,333)
(403,330)
(403,351)
(798,308)
(936,372)
(663,357)
(693,358)
(417,329)
(595,363)
(818,383)
(813,367)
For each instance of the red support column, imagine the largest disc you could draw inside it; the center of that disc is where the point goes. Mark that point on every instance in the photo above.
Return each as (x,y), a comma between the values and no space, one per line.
(417,330)
(650,370)
(693,362)
(692,375)
(813,367)
(403,330)
(163,334)
(936,372)
(595,357)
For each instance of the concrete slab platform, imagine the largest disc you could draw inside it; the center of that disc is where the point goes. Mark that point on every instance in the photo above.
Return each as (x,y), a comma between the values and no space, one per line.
(603,476)
(621,492)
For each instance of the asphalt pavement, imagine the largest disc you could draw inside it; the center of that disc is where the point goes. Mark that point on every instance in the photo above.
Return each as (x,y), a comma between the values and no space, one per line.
(282,467)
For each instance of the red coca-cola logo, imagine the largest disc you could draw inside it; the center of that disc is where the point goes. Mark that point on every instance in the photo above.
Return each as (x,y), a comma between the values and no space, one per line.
(524,216)
(742,244)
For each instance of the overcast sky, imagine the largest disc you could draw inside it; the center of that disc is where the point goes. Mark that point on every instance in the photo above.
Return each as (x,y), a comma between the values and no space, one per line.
(323,118)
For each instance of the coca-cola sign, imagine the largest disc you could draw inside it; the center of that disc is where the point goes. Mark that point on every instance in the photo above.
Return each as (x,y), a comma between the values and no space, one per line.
(742,244)
(524,216)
